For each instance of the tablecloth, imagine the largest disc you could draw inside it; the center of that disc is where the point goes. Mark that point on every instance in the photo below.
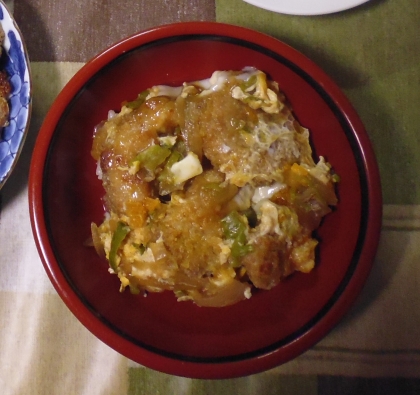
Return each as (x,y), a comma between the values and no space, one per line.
(373,53)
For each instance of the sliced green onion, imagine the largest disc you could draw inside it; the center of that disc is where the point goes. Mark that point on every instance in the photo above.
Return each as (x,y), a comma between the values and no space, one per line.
(134,289)
(234,228)
(233,225)
(152,157)
(141,98)
(166,177)
(239,250)
(117,238)
(248,83)
(335,177)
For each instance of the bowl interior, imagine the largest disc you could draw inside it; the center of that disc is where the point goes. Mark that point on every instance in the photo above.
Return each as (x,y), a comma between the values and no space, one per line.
(71,199)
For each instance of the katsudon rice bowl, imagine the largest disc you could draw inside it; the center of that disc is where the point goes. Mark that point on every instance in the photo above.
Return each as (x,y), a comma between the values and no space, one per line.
(211,189)
(205,200)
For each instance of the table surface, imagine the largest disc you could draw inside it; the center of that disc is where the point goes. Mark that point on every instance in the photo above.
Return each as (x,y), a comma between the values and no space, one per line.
(373,53)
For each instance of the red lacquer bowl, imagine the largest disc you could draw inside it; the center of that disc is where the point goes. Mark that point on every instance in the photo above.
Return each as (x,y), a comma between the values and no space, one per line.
(159,332)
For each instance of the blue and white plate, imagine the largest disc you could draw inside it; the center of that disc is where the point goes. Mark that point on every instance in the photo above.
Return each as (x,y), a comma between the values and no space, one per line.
(14,60)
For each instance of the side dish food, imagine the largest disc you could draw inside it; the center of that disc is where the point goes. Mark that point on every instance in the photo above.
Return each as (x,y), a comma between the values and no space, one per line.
(5,89)
(211,189)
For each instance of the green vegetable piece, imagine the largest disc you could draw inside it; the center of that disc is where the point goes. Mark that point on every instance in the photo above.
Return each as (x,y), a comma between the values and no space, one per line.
(238,251)
(248,83)
(235,228)
(233,225)
(165,178)
(141,98)
(152,157)
(117,238)
(134,290)
(175,157)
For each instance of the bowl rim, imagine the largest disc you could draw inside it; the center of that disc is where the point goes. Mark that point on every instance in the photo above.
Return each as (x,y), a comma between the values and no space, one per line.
(163,363)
